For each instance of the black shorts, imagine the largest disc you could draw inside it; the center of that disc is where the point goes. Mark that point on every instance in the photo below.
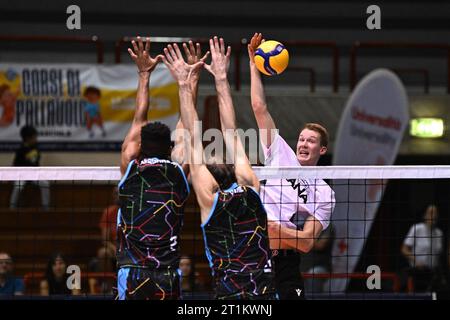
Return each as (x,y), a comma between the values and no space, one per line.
(146,284)
(288,279)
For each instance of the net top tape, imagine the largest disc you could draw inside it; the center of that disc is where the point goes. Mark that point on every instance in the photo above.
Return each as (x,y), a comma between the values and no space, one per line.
(322,172)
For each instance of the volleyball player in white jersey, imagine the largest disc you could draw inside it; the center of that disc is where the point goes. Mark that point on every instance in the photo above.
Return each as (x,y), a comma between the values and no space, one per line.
(286,200)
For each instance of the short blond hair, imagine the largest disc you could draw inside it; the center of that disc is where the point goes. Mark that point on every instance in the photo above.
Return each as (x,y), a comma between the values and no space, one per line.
(324,137)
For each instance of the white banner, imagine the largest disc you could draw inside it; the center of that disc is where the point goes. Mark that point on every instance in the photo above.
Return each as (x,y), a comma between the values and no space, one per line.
(78,106)
(370,132)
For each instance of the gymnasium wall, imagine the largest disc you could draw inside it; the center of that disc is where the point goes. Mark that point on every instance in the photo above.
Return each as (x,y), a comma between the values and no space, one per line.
(290,111)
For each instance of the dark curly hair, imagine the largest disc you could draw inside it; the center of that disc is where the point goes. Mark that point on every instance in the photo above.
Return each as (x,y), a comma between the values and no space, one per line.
(223,174)
(27,132)
(155,141)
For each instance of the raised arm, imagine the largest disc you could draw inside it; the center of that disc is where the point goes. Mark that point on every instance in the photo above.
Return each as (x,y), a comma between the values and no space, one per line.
(219,68)
(258,98)
(179,152)
(202,180)
(145,65)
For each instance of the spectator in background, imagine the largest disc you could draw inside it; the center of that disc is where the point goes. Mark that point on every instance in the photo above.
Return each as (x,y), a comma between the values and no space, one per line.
(55,282)
(9,285)
(104,263)
(190,281)
(92,110)
(422,247)
(28,155)
(318,260)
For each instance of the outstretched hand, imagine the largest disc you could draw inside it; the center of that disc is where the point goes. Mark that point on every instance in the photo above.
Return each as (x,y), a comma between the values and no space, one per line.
(194,55)
(220,60)
(141,56)
(253,45)
(183,72)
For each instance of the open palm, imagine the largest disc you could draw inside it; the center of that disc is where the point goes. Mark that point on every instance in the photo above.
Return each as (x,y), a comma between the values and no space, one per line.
(141,56)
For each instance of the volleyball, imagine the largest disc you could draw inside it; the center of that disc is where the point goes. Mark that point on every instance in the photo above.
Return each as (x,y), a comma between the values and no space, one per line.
(271,57)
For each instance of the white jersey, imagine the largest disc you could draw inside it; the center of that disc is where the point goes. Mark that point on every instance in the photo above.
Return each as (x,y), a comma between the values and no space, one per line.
(426,245)
(284,198)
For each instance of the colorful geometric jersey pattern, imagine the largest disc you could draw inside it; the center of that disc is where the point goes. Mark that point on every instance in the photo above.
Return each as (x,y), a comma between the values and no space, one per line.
(152,194)
(148,284)
(237,243)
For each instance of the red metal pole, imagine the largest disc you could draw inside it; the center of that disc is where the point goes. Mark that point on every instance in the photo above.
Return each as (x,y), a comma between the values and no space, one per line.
(352,77)
(335,69)
(117,50)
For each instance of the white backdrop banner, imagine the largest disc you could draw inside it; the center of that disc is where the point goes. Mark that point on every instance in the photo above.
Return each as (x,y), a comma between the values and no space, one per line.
(369,133)
(78,106)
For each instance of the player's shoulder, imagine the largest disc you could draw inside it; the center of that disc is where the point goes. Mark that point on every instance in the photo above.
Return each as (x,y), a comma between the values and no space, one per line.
(279,142)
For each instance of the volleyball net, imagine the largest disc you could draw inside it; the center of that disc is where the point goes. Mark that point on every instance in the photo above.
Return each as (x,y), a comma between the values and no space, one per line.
(387,236)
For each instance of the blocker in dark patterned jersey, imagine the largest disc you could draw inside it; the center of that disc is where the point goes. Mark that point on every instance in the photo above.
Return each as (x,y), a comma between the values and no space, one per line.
(237,245)
(152,194)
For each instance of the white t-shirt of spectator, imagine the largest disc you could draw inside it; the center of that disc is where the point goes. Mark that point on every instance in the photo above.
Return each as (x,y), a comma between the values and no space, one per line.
(426,245)
(284,198)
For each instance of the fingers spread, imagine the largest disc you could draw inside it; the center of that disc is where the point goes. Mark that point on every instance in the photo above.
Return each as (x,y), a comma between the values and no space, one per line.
(228,52)
(216,44)
(167,63)
(205,56)
(168,55)
(133,56)
(140,44)
(135,47)
(222,46)
(172,52)
(199,50)
(212,48)
(192,49)
(147,44)
(177,51)
(186,50)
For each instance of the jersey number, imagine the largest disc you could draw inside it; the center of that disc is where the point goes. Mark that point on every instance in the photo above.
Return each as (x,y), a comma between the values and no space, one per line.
(268,266)
(173,243)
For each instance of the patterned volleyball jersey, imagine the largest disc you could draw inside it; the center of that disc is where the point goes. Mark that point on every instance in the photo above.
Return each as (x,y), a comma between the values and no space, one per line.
(152,194)
(237,244)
